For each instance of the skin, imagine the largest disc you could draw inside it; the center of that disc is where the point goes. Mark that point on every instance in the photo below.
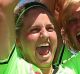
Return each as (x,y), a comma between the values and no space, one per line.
(72,25)
(55,6)
(7,36)
(34,34)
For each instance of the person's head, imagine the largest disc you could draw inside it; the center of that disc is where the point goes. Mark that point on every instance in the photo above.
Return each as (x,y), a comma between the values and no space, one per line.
(36,34)
(6,27)
(71,22)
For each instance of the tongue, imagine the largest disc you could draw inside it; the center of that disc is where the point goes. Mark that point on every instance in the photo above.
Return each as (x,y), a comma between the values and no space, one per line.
(43,50)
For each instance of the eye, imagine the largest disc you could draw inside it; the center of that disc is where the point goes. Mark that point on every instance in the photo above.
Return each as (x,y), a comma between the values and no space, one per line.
(72,21)
(34,30)
(50,28)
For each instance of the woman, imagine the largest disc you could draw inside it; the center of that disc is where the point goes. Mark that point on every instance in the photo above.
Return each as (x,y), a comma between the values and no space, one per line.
(70,19)
(36,35)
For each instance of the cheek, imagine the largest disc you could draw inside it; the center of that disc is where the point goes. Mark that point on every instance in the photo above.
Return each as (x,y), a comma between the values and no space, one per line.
(53,39)
(32,37)
(53,36)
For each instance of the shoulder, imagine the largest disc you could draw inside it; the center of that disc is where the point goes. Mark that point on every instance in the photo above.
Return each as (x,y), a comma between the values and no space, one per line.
(70,66)
(65,70)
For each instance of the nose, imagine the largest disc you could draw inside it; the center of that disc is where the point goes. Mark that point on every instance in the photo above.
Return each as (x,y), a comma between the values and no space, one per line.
(44,34)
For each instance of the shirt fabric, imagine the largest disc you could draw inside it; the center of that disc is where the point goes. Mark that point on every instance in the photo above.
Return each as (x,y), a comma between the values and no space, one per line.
(63,55)
(70,66)
(17,65)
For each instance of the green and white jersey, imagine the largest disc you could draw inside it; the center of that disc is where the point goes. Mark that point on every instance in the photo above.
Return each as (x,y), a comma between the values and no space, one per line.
(70,66)
(63,55)
(17,65)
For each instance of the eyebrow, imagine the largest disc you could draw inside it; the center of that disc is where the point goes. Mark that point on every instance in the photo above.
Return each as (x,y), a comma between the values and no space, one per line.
(76,13)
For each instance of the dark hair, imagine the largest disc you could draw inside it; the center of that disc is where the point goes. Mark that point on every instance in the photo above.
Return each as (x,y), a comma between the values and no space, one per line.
(20,12)
(24,9)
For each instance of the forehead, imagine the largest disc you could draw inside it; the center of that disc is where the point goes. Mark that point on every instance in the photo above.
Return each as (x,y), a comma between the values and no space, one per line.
(37,14)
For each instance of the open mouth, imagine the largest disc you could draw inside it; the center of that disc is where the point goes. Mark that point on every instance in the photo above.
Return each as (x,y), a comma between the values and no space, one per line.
(78,37)
(43,49)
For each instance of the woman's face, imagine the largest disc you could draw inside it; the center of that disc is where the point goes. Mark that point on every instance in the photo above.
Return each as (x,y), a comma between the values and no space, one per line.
(73,26)
(38,37)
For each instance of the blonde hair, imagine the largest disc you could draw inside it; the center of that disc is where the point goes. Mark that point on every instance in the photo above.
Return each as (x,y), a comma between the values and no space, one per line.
(68,2)
(67,7)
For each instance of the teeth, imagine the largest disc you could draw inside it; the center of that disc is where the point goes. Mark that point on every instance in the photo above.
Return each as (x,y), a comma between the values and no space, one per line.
(78,33)
(44,44)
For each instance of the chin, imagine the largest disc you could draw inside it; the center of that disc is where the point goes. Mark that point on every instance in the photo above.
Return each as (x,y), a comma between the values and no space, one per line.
(45,64)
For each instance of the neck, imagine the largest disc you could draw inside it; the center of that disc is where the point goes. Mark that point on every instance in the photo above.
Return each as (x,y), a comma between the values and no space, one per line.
(48,70)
